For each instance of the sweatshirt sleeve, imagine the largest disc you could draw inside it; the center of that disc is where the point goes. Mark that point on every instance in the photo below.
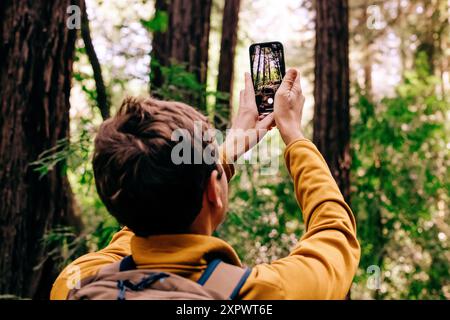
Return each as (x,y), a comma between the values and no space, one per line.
(325,260)
(90,263)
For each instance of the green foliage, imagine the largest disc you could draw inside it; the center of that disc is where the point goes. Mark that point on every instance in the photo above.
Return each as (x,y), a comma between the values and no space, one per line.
(48,160)
(158,23)
(65,152)
(179,84)
(64,245)
(400,187)
(85,80)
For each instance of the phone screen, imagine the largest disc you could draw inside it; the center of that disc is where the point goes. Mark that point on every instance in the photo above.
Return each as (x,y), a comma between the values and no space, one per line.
(268,69)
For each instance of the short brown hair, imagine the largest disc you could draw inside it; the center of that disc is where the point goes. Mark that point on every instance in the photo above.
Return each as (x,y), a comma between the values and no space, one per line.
(135,175)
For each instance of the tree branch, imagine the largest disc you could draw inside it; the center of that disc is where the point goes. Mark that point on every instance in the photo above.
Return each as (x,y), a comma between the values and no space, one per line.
(103,102)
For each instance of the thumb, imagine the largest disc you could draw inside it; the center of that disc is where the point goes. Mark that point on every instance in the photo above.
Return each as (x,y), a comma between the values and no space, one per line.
(288,80)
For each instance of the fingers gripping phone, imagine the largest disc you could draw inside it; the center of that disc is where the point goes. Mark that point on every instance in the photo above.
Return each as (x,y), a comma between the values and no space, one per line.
(267,69)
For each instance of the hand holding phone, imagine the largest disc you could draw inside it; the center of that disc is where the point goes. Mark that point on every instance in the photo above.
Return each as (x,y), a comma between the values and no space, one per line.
(247,128)
(288,109)
(267,69)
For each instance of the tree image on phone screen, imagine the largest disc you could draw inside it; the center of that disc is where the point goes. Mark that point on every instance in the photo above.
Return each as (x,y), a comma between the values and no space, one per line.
(268,69)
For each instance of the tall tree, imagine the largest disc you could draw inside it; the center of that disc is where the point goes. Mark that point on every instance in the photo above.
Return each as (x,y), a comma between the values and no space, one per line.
(331,89)
(36,55)
(185,40)
(226,63)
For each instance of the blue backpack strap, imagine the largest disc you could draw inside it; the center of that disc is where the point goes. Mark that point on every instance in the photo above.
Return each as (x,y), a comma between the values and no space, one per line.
(127,264)
(224,278)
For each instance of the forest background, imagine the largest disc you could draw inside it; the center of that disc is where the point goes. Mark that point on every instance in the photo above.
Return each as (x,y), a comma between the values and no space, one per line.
(375,75)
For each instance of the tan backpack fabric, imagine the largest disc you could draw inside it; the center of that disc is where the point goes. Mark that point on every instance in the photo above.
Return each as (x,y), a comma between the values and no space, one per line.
(123,281)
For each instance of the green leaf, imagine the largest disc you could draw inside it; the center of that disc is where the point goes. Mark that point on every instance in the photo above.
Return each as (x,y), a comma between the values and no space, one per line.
(159,22)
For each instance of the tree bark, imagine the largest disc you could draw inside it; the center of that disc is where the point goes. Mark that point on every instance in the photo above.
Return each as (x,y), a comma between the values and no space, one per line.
(331,89)
(367,54)
(230,22)
(36,56)
(186,41)
(103,102)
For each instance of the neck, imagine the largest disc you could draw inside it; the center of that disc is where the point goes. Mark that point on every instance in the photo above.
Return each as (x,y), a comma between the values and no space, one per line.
(203,224)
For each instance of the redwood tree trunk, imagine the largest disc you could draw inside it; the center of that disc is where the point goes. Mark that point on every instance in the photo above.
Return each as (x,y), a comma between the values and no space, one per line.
(186,41)
(226,63)
(36,54)
(331,89)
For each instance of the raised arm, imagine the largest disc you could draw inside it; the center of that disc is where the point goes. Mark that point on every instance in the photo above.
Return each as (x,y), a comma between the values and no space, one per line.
(324,262)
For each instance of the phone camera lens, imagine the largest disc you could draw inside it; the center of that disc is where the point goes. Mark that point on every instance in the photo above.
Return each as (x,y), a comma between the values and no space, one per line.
(270,101)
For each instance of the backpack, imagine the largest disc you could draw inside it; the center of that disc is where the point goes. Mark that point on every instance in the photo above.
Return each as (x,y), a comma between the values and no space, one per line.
(123,281)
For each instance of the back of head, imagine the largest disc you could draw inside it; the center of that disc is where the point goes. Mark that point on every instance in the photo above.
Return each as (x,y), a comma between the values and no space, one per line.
(135,174)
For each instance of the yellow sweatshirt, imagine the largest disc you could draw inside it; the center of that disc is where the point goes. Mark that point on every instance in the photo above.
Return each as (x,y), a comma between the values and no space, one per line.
(321,266)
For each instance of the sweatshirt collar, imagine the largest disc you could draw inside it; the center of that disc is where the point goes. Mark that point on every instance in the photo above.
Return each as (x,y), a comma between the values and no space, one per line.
(188,252)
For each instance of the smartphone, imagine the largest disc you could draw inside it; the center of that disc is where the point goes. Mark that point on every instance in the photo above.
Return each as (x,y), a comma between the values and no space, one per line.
(267,69)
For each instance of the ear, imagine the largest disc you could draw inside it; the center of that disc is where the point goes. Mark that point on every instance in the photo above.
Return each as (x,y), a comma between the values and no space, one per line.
(213,191)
